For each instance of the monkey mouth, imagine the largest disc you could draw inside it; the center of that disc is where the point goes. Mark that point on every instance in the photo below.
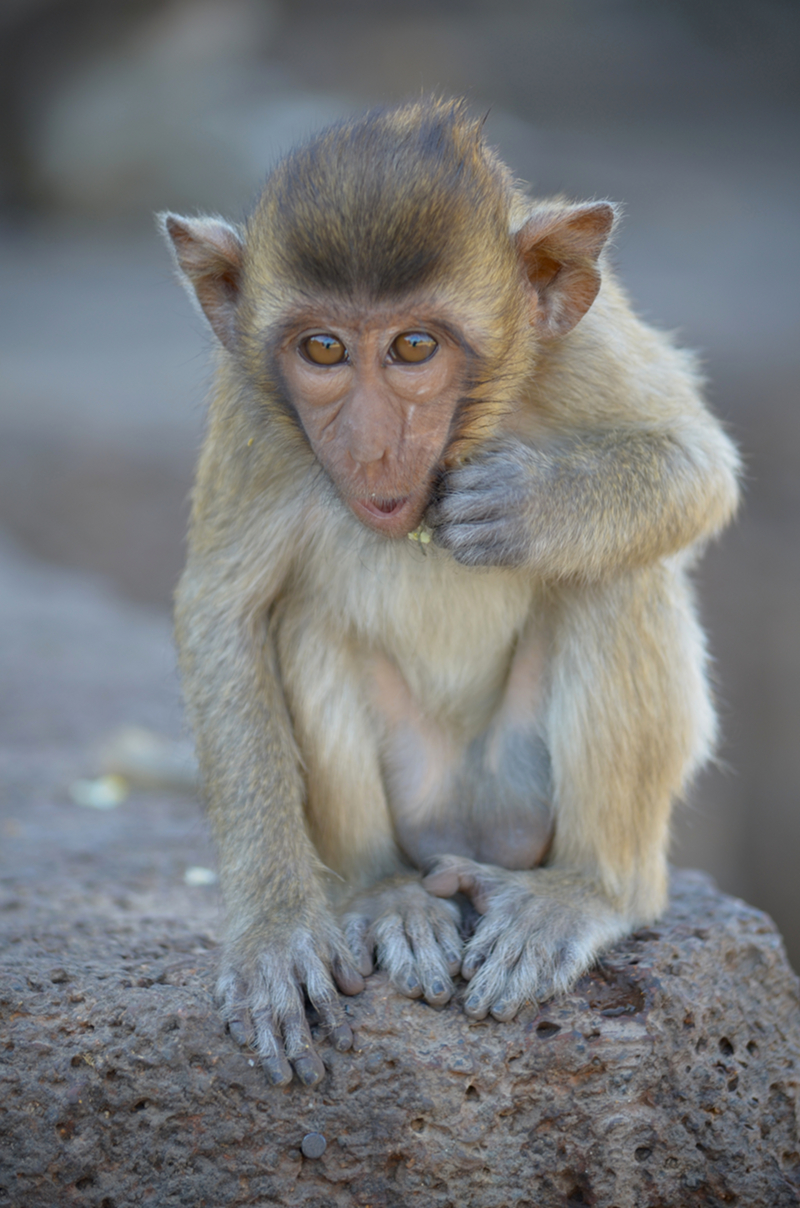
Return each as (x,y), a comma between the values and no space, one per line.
(394,517)
(383,507)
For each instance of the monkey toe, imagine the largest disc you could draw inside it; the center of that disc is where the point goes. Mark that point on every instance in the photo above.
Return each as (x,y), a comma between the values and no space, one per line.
(342,1038)
(356,932)
(309,1069)
(438,993)
(348,977)
(241,1030)
(277,1070)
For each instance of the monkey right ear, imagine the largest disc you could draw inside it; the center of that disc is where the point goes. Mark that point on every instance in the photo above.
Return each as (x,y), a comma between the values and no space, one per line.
(208,254)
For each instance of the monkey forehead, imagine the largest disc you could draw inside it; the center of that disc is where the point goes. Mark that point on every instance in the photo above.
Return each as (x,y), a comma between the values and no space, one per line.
(384,204)
(364,318)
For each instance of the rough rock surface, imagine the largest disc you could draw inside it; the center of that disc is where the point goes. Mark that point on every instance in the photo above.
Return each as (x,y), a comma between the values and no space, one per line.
(669,1077)
(667,1080)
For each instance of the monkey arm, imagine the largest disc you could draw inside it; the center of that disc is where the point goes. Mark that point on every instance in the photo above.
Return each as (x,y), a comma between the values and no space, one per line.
(626,724)
(586,505)
(281,938)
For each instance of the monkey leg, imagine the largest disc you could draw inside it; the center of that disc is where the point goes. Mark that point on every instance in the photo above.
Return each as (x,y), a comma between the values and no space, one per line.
(627,721)
(386,914)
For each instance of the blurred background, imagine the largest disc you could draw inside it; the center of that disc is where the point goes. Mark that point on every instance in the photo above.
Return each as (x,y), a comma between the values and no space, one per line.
(686,111)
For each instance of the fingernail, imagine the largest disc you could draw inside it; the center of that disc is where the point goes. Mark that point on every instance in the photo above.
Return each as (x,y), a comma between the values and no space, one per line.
(437,988)
(238,1032)
(308,1071)
(342,1038)
(277,1073)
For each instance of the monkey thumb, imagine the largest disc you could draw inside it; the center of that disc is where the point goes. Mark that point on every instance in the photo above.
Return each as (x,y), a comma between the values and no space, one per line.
(451,876)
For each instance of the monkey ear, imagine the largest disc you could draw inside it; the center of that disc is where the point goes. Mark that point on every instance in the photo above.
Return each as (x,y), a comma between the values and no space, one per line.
(208,254)
(559,250)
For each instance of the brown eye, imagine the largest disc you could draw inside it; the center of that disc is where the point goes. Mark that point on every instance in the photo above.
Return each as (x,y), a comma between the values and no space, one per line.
(414,346)
(324,350)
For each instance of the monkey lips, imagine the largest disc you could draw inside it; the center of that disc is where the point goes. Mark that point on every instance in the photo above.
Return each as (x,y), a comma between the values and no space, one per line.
(392,517)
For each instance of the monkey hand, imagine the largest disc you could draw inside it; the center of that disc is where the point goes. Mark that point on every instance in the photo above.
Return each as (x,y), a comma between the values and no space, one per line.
(415,936)
(263,976)
(540,931)
(488,511)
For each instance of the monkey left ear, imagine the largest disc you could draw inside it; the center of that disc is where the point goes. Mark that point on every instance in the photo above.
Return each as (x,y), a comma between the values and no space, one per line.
(208,253)
(559,249)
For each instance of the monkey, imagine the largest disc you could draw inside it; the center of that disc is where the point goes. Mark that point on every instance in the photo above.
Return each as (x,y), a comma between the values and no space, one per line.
(436,631)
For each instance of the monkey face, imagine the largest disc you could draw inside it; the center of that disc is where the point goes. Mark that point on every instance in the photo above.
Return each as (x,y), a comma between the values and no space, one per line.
(376,393)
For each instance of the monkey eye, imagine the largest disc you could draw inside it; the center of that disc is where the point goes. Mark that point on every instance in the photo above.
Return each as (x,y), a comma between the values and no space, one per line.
(413,347)
(324,350)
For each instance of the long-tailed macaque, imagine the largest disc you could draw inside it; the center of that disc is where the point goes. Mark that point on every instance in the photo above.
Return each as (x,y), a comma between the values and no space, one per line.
(501,709)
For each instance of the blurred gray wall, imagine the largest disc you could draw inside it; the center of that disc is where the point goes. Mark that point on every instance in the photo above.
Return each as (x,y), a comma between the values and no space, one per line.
(684,110)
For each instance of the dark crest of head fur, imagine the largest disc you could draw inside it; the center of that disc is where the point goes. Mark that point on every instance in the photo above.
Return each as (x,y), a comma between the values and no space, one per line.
(378,206)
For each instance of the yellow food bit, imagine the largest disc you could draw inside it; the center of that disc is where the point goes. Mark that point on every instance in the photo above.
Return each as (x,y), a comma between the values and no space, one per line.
(422,534)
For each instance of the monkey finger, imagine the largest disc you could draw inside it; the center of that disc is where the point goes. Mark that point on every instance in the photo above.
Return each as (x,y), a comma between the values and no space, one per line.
(349,979)
(483,947)
(450,945)
(431,967)
(489,990)
(326,1001)
(300,1049)
(356,929)
(396,956)
(270,1048)
(231,999)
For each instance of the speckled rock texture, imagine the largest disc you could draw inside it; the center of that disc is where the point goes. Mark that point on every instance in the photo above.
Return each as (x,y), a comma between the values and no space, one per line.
(668,1079)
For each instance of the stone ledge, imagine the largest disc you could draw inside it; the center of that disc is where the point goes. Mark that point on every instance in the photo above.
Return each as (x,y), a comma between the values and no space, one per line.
(667,1079)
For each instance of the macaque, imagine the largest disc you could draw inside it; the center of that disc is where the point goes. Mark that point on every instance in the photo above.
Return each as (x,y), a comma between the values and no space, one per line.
(437,640)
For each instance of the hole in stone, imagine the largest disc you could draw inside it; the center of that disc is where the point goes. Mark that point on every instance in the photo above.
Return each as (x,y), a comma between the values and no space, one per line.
(472,1093)
(546,1029)
(140,1106)
(642,1153)
(418,1125)
(734,1082)
(86,1181)
(725,1047)
(111,1074)
(107,1203)
(576,1198)
(752,1048)
(76,1060)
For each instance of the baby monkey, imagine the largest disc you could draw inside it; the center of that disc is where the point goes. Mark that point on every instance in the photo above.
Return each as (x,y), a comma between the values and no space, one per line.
(411,347)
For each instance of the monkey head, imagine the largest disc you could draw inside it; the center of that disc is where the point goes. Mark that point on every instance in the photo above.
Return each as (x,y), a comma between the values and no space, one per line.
(389,295)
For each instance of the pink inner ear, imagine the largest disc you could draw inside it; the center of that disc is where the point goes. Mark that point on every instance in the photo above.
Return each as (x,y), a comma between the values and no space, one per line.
(559,249)
(209,254)
(204,246)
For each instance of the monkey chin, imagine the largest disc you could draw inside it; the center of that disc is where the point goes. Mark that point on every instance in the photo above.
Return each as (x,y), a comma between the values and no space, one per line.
(393,518)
